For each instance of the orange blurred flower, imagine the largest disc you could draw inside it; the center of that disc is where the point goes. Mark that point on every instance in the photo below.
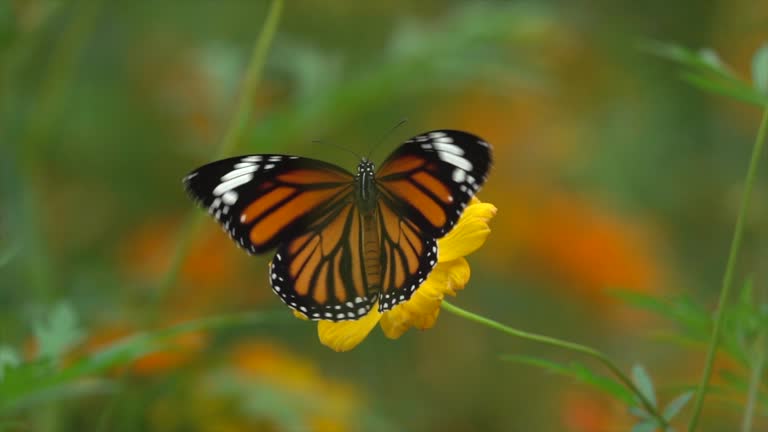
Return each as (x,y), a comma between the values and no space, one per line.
(588,412)
(210,274)
(578,244)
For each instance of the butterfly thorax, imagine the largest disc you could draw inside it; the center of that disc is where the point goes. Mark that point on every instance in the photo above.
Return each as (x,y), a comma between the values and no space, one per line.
(365,187)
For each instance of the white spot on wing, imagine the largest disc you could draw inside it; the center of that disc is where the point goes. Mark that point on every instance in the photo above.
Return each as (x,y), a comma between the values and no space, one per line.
(243,165)
(229,198)
(459,175)
(455,160)
(449,148)
(231,184)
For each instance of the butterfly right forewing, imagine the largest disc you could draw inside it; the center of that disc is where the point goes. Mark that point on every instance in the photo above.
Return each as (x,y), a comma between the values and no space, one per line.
(430,179)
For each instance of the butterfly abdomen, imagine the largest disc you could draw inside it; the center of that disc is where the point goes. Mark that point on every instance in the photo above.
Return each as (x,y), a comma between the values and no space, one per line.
(371,252)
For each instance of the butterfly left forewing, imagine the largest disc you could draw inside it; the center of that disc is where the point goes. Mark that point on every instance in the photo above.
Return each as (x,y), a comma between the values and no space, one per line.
(264,200)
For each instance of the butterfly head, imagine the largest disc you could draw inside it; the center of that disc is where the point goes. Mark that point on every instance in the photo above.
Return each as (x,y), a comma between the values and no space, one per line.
(365,167)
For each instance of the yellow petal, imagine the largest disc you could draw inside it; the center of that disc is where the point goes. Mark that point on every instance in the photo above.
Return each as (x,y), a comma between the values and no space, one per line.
(422,309)
(469,234)
(345,335)
(419,311)
(457,274)
(299,315)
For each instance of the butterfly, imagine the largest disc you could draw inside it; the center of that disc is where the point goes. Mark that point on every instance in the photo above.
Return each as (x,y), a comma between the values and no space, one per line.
(345,242)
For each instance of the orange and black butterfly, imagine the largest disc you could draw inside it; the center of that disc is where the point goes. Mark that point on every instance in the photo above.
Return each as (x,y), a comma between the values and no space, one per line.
(344,241)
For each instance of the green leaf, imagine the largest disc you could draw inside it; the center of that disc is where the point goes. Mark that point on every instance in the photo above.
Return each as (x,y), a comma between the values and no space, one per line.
(639,413)
(704,61)
(8,358)
(760,69)
(580,373)
(746,295)
(705,70)
(61,332)
(681,310)
(677,404)
(646,426)
(644,383)
(731,88)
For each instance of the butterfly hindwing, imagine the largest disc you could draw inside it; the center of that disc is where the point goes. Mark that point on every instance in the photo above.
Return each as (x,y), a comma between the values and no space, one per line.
(264,200)
(407,257)
(431,178)
(322,273)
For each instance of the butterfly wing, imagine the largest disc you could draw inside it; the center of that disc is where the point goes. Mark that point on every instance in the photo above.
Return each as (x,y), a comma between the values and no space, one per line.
(423,188)
(322,272)
(265,200)
(407,257)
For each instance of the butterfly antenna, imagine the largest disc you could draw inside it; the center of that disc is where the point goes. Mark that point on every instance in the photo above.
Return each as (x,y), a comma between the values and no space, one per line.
(339,147)
(385,136)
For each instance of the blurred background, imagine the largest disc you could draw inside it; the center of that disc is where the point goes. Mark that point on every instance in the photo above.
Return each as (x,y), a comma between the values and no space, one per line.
(610,173)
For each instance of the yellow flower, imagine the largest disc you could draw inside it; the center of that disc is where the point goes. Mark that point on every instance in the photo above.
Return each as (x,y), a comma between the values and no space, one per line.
(449,275)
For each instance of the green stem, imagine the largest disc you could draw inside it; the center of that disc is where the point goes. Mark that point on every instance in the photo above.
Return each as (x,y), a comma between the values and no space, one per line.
(738,234)
(755,380)
(229,143)
(571,346)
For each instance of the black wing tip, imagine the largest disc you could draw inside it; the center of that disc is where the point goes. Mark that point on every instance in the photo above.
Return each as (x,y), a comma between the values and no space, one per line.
(470,136)
(190,188)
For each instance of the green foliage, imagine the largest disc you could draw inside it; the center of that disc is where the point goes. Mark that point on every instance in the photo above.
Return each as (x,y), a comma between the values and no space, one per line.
(745,320)
(9,358)
(760,69)
(580,373)
(674,407)
(615,389)
(705,70)
(480,32)
(60,332)
(42,380)
(643,382)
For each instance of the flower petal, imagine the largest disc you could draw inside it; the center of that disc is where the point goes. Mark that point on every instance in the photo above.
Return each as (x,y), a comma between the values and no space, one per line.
(457,273)
(469,234)
(422,309)
(345,335)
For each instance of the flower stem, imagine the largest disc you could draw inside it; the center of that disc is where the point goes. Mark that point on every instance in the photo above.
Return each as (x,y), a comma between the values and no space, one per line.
(754,383)
(738,234)
(229,143)
(571,346)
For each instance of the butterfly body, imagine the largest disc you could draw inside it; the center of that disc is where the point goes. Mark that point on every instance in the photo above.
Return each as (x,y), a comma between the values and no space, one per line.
(346,243)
